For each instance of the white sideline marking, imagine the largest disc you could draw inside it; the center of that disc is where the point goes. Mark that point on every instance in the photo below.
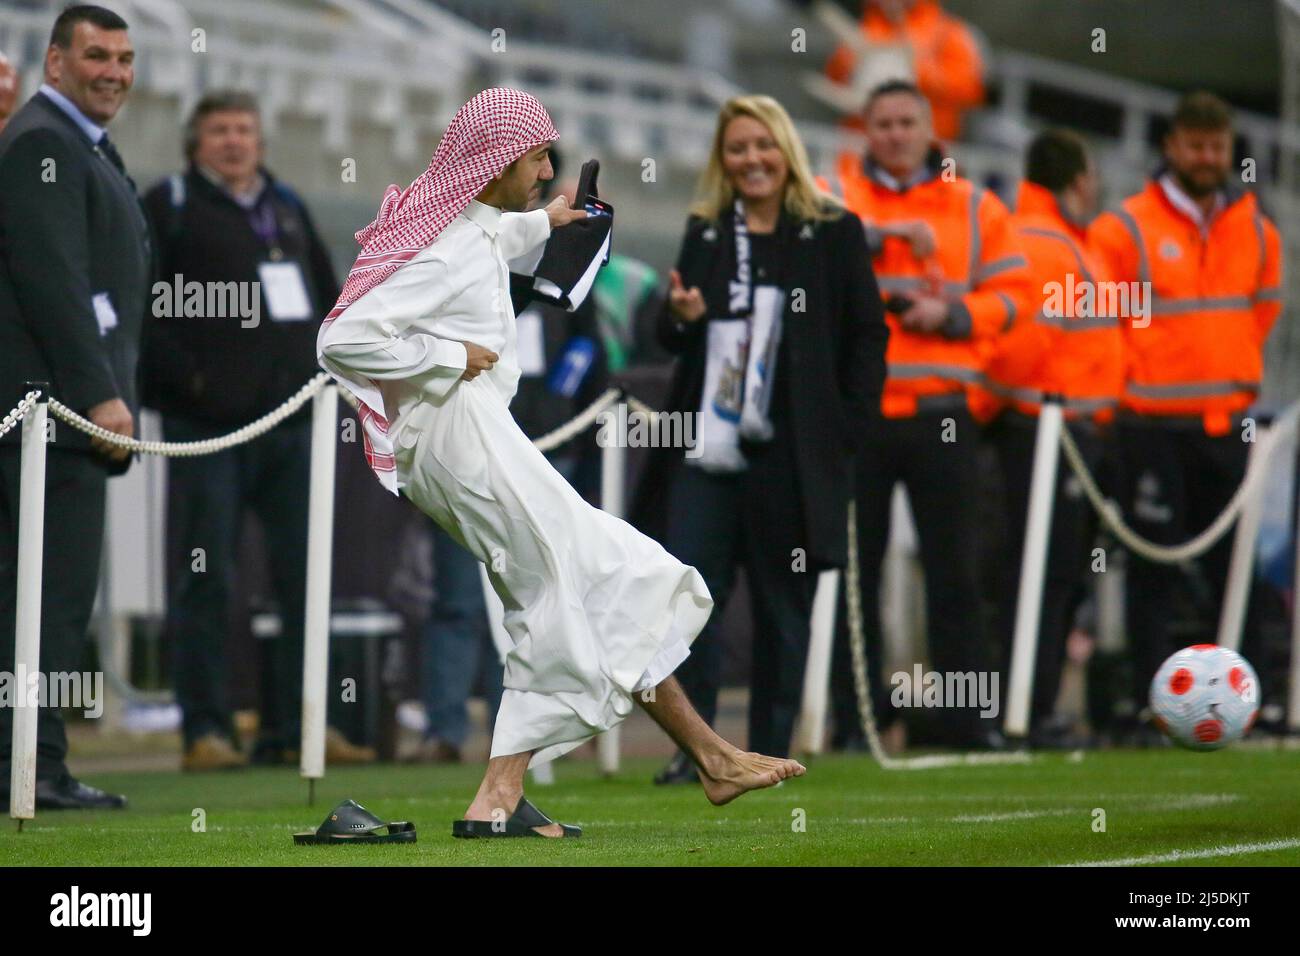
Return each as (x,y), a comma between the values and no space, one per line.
(1201,800)
(1237,849)
(1182,803)
(937,761)
(1015,815)
(1165,798)
(1169,802)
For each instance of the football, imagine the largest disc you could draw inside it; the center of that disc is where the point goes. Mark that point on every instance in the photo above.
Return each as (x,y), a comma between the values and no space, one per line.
(1205,697)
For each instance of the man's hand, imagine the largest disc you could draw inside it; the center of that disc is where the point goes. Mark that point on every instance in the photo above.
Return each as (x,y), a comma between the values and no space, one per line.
(558,211)
(477,359)
(116,417)
(917,233)
(687,304)
(927,315)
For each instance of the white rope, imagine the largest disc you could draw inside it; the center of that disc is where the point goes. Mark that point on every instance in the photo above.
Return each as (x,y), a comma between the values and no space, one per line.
(862,686)
(642,408)
(567,431)
(207,446)
(350,399)
(580,424)
(1174,554)
(19,413)
(857,646)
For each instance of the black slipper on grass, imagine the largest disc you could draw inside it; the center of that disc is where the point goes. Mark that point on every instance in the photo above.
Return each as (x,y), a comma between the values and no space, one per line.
(350,822)
(520,824)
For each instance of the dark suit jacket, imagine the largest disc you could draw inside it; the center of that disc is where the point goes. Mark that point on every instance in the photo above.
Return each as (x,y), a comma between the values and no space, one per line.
(71,228)
(212,369)
(836,372)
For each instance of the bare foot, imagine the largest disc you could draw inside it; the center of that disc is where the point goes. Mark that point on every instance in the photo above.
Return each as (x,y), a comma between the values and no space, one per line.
(731,774)
(497,805)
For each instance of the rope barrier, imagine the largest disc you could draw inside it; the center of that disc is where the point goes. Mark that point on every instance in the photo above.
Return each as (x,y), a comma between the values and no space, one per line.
(857,646)
(206,446)
(1109,512)
(578,425)
(570,429)
(548,442)
(1282,429)
(1285,425)
(19,413)
(862,686)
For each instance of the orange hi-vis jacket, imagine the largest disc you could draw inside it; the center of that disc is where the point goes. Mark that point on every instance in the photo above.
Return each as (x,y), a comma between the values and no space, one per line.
(1216,290)
(978,266)
(1069,347)
(949,68)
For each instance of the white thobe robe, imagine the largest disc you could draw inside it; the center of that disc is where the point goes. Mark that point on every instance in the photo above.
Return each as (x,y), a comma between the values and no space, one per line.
(596,610)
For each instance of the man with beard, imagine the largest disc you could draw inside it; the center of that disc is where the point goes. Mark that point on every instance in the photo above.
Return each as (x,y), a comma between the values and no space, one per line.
(424,335)
(1210,264)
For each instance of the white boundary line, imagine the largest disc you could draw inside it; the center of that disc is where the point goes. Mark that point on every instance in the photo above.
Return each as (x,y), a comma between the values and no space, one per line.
(1175,856)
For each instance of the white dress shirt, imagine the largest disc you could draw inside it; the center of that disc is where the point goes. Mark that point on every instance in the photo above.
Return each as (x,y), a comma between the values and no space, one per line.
(596,611)
(406,333)
(94,132)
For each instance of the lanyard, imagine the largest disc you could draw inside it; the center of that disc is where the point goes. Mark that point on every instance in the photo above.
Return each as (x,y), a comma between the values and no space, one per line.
(262,218)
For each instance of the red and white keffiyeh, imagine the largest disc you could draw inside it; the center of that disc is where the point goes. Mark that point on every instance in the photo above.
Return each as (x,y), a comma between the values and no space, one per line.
(486,135)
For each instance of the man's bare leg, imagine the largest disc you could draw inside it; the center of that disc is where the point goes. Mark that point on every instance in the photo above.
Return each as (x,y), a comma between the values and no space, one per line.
(725,770)
(499,793)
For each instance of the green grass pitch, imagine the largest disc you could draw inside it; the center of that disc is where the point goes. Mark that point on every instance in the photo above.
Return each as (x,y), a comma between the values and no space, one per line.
(1237,807)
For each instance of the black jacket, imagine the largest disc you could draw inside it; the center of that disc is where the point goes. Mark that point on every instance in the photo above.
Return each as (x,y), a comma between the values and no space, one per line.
(213,369)
(71,228)
(836,349)
(535,406)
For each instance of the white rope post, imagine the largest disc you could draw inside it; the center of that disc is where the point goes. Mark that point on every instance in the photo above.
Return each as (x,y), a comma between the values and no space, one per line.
(817,673)
(902,592)
(613,474)
(320,549)
(27,622)
(1033,567)
(1236,593)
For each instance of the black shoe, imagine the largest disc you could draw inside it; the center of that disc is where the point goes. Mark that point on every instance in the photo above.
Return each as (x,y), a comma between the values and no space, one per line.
(678,770)
(68,793)
(1054,734)
(270,753)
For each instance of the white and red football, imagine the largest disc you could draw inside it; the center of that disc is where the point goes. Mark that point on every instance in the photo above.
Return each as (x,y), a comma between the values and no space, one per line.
(1205,697)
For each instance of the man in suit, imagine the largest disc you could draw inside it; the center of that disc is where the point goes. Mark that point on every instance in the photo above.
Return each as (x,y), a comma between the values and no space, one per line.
(74,272)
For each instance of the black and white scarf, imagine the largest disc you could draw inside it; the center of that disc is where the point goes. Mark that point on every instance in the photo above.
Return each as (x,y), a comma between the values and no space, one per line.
(741,362)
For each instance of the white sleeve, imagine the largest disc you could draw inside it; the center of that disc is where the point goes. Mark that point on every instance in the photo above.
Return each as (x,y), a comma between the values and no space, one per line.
(377,338)
(523,238)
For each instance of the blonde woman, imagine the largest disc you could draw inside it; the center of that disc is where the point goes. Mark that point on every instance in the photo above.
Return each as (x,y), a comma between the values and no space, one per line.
(777,323)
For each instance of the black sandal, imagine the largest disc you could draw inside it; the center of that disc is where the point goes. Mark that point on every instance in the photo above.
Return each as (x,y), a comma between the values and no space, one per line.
(350,822)
(520,824)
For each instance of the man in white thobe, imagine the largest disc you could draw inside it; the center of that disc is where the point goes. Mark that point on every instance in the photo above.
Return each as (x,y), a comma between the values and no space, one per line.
(424,335)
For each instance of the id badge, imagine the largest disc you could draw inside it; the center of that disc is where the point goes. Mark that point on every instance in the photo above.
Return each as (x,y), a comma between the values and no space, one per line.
(285,291)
